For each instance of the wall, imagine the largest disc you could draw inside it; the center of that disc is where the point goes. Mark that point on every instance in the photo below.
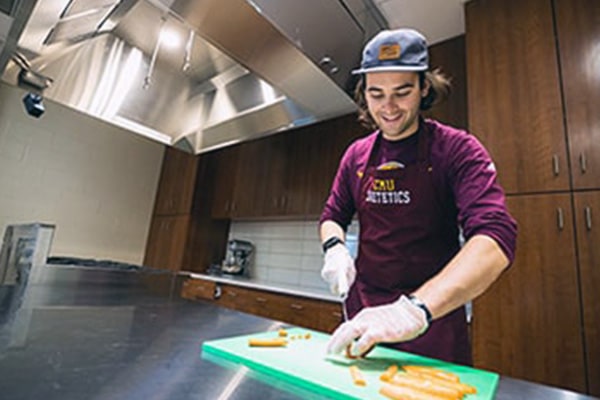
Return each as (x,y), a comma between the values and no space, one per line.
(94,181)
(287,252)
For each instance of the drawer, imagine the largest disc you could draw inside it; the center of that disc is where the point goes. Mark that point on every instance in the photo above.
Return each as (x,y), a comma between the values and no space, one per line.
(195,289)
(330,316)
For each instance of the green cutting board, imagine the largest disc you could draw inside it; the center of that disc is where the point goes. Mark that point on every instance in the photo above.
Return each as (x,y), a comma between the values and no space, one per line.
(303,362)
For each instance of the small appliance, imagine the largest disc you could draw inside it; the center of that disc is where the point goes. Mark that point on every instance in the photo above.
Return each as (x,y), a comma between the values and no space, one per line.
(238,256)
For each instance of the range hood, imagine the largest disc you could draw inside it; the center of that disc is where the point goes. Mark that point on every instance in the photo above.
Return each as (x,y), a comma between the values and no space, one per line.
(237,70)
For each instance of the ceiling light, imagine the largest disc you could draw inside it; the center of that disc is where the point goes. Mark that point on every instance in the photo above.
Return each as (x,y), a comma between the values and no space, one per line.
(169,38)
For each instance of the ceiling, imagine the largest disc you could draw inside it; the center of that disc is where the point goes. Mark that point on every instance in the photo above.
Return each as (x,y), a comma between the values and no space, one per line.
(438,20)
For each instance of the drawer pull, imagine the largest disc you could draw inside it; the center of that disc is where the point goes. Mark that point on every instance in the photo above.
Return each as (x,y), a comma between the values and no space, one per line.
(555,165)
(582,163)
(588,218)
(297,306)
(561,218)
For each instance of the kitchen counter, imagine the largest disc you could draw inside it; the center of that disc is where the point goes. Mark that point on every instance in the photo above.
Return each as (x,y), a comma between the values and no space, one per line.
(75,333)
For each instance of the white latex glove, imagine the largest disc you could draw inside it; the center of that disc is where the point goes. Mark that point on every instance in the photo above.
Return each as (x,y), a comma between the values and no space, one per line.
(391,323)
(338,269)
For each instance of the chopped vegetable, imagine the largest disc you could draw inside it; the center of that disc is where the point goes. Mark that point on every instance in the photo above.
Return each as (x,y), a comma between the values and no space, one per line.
(357,376)
(431,371)
(277,342)
(405,393)
(389,373)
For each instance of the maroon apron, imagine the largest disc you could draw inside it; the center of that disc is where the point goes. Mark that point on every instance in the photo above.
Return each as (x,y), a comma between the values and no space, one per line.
(406,237)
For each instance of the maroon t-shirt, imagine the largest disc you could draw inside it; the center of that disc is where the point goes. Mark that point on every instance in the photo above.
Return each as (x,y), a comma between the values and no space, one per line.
(464,176)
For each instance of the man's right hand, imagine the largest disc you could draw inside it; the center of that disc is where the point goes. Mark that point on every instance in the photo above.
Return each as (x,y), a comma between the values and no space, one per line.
(338,269)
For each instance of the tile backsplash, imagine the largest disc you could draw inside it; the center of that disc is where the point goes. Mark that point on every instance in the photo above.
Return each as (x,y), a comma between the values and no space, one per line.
(287,253)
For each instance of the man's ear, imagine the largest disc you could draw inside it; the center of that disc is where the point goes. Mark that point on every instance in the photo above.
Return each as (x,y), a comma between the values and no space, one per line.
(426,87)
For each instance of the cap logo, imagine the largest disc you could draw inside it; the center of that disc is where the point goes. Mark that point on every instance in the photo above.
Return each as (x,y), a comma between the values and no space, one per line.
(389,51)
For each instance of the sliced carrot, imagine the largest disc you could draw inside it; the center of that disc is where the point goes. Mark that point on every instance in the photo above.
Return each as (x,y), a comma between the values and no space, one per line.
(277,342)
(462,387)
(438,373)
(307,335)
(389,373)
(426,386)
(357,376)
(405,393)
(282,333)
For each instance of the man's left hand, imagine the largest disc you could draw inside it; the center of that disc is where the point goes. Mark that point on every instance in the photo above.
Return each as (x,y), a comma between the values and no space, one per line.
(396,322)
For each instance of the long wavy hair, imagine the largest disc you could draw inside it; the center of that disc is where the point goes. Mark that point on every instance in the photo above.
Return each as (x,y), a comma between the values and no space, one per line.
(439,89)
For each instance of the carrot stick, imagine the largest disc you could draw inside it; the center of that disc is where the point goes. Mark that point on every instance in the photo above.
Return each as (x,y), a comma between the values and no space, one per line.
(426,386)
(405,393)
(389,373)
(282,332)
(463,388)
(278,342)
(357,376)
(438,373)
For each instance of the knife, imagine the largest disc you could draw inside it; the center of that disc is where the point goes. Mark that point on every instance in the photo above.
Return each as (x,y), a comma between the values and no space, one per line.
(343,292)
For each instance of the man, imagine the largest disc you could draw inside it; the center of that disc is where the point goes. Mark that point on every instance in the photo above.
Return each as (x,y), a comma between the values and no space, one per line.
(413,183)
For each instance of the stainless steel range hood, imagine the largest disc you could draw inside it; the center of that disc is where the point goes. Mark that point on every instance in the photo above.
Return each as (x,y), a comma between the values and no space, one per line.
(242,69)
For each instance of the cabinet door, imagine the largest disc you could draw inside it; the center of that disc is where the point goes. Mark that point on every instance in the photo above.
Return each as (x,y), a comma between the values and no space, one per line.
(249,191)
(449,56)
(177,181)
(514,95)
(274,185)
(578,24)
(528,325)
(225,164)
(587,217)
(166,242)
(326,146)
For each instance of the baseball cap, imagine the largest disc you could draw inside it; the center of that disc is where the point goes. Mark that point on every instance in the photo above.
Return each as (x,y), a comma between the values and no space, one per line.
(395,50)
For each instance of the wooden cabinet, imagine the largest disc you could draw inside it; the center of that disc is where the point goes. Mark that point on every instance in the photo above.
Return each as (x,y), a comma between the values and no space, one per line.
(449,57)
(177,183)
(528,325)
(578,33)
(587,221)
(514,94)
(182,234)
(224,164)
(306,312)
(533,89)
(167,242)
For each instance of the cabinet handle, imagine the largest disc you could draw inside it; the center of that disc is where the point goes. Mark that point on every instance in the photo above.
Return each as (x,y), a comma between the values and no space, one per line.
(588,218)
(218,292)
(561,218)
(261,300)
(582,163)
(555,165)
(297,306)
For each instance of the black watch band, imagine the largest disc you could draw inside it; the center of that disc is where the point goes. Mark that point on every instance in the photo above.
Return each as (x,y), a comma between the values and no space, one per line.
(417,302)
(332,241)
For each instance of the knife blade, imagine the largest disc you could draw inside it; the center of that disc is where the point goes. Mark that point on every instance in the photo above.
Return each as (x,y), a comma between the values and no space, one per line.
(343,292)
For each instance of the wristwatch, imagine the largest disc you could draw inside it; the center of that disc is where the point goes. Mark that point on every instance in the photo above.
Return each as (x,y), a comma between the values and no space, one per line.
(332,241)
(417,302)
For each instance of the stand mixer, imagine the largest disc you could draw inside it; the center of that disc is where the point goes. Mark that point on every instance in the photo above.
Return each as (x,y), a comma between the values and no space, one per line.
(237,258)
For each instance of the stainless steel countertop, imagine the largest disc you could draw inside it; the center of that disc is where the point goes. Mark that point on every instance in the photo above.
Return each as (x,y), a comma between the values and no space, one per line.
(78,333)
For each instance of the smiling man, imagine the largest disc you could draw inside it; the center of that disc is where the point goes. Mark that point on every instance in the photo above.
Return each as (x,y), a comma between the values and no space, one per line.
(414,184)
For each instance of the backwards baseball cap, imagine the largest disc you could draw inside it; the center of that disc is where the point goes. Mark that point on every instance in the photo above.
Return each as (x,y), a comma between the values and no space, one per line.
(395,50)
